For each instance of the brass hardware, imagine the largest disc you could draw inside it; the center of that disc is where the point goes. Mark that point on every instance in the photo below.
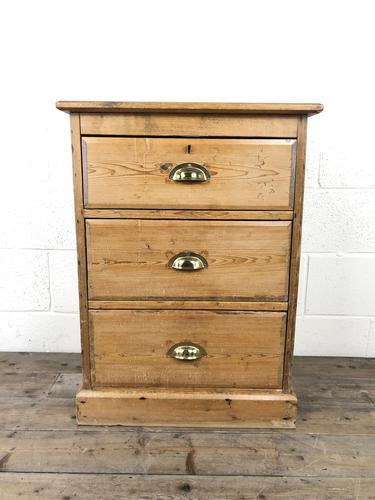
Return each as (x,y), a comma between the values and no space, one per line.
(187,261)
(189,172)
(186,351)
(166,166)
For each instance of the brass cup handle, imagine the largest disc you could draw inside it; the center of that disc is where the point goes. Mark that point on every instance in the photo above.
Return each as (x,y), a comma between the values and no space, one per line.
(187,261)
(186,351)
(189,172)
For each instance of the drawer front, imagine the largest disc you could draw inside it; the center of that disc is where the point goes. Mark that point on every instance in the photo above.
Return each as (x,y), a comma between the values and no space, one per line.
(131,259)
(135,348)
(237,173)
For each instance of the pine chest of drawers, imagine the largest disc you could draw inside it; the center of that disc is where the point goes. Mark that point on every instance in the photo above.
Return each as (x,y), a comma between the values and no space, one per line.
(188,221)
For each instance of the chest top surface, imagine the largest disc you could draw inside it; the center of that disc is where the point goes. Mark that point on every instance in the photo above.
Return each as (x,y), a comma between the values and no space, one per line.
(189,107)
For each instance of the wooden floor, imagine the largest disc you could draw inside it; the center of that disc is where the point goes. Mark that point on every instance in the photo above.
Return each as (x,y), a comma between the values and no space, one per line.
(43,454)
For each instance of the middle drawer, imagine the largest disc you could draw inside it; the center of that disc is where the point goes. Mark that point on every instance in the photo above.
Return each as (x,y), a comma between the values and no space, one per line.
(148,259)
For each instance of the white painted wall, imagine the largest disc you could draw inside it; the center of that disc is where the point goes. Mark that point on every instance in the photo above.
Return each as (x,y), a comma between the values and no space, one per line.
(187,51)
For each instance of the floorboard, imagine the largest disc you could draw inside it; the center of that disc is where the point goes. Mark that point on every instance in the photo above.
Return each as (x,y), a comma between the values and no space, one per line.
(113,486)
(43,454)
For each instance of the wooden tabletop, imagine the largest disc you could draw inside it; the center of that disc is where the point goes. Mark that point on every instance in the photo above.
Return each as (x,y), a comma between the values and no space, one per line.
(188,107)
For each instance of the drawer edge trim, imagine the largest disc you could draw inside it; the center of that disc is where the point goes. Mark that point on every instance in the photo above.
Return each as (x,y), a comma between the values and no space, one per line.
(214,214)
(189,304)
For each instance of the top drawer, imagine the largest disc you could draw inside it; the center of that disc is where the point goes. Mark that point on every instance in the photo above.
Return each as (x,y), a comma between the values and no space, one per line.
(233,174)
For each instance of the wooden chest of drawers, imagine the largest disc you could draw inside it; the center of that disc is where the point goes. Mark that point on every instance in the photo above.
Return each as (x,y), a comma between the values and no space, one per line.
(188,221)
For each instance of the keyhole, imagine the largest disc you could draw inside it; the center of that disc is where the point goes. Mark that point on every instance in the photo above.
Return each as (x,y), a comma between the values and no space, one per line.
(189,149)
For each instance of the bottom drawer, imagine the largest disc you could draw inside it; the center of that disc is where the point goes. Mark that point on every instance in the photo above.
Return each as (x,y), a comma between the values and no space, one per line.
(136,348)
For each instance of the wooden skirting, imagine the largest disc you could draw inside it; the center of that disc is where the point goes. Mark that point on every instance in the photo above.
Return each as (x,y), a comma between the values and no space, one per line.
(187,408)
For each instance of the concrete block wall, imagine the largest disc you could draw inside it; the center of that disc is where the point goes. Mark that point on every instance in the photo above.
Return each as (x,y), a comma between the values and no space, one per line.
(336,307)
(38,286)
(304,55)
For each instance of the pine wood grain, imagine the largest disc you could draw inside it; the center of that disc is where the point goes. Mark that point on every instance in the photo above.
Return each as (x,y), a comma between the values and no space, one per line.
(245,173)
(189,125)
(244,349)
(295,252)
(128,259)
(189,304)
(75,125)
(193,107)
(186,408)
(255,154)
(107,213)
